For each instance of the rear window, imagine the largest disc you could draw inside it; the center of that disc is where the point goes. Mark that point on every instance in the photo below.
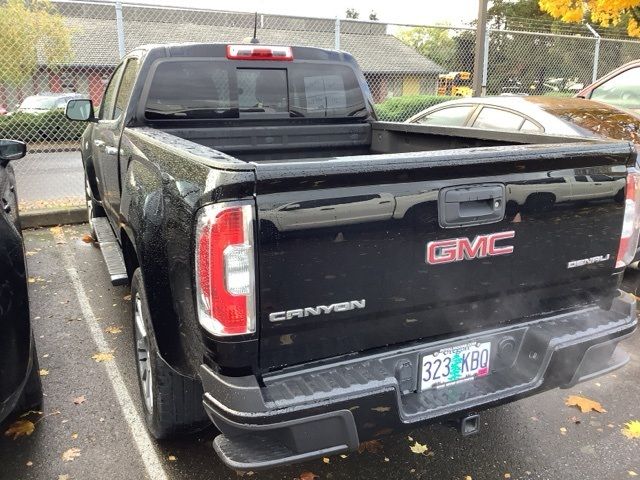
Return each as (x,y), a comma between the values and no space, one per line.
(604,122)
(210,89)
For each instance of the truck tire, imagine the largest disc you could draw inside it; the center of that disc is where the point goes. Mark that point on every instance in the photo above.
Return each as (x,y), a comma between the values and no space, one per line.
(31,398)
(94,209)
(172,402)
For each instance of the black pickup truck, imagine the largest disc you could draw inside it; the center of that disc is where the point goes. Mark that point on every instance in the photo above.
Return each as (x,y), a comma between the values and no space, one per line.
(309,278)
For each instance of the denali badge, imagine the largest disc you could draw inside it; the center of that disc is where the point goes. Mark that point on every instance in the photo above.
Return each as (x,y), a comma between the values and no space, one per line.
(457,249)
(588,261)
(319,310)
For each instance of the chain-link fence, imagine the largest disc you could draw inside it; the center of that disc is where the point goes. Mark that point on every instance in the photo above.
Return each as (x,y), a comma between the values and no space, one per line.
(408,68)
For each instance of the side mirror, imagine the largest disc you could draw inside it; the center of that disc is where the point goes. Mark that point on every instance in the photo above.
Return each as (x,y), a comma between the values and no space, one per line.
(80,110)
(11,150)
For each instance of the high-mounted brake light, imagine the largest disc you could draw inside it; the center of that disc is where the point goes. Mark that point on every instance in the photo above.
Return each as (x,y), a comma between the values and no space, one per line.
(631,222)
(259,52)
(225,273)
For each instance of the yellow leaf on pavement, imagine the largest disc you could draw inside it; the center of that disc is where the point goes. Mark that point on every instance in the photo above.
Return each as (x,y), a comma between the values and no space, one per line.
(102,356)
(79,400)
(20,428)
(172,458)
(43,372)
(632,429)
(632,473)
(419,448)
(71,454)
(584,404)
(113,330)
(326,460)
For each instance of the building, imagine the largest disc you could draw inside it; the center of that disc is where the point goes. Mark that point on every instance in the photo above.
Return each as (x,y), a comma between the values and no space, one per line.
(391,67)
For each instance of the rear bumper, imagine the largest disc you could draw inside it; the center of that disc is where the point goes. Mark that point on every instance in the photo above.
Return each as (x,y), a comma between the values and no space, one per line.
(330,408)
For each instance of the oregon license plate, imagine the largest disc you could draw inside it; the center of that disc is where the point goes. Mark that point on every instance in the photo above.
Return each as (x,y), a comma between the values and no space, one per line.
(453,365)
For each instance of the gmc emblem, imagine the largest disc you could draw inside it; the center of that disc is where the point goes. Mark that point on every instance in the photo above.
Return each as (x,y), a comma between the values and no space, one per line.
(458,249)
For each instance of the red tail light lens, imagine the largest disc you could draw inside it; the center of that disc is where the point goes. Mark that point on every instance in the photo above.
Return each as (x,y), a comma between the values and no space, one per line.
(630,225)
(225,273)
(259,52)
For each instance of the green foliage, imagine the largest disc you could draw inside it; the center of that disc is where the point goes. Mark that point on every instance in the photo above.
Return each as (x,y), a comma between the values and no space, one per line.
(434,43)
(30,31)
(398,109)
(44,127)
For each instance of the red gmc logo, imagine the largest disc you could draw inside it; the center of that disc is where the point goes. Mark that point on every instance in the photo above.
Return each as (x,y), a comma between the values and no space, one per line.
(458,249)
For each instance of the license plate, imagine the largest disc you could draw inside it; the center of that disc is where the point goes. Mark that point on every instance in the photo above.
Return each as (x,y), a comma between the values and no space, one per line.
(453,365)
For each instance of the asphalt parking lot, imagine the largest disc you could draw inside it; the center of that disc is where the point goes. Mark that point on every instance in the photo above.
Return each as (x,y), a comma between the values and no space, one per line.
(94,406)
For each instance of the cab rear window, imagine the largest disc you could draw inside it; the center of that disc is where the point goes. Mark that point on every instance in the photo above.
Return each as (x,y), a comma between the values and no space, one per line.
(210,90)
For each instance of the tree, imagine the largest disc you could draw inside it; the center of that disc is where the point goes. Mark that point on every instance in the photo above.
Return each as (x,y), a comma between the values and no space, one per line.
(434,43)
(352,13)
(507,13)
(30,31)
(607,14)
(373,16)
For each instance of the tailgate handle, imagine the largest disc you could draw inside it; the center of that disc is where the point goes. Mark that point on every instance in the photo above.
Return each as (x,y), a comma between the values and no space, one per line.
(471,205)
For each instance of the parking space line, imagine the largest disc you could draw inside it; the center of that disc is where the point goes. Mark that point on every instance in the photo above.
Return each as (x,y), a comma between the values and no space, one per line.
(148,454)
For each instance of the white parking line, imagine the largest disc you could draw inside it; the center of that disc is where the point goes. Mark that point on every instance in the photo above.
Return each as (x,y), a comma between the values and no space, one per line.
(144,444)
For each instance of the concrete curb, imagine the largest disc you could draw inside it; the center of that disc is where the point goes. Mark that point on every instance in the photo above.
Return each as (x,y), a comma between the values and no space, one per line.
(49,217)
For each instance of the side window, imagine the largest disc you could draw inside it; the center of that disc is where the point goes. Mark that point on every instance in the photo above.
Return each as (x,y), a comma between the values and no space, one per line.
(109,97)
(529,126)
(448,116)
(126,86)
(496,119)
(623,90)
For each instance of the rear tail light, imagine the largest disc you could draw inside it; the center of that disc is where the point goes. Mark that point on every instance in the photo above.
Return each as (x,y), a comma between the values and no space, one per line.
(225,273)
(630,225)
(259,52)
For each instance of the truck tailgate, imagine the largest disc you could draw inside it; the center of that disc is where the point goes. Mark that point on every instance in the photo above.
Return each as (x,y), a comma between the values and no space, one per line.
(357,253)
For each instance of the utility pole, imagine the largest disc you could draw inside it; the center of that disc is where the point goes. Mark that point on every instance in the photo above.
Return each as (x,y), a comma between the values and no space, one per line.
(481,50)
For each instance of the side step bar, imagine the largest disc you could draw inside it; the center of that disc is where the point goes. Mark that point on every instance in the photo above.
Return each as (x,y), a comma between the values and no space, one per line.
(111,251)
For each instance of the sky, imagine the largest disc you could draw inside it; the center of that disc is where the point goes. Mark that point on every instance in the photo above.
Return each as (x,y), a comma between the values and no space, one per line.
(425,12)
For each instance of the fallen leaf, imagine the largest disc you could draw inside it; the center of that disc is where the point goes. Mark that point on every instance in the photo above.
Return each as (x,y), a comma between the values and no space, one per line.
(371,446)
(29,253)
(563,430)
(71,454)
(56,230)
(386,459)
(63,477)
(29,463)
(172,458)
(87,238)
(127,297)
(79,400)
(419,448)
(507,475)
(20,428)
(31,280)
(632,429)
(326,460)
(632,473)
(584,404)
(74,435)
(113,330)
(343,456)
(102,356)
(381,409)
(308,476)
(468,477)
(43,372)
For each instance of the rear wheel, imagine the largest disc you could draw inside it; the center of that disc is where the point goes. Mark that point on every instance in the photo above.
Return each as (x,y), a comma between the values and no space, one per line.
(172,402)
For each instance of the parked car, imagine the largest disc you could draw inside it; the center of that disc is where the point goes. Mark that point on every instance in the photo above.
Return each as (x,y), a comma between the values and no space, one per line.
(46,102)
(20,387)
(536,114)
(303,335)
(620,87)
